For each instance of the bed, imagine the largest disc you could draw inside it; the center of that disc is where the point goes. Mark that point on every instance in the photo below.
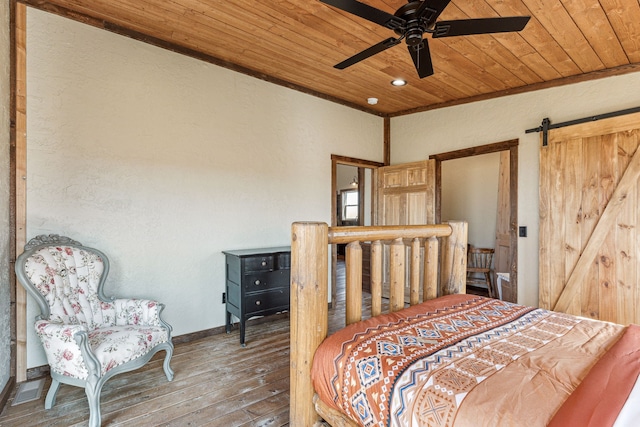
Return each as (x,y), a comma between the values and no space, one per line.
(447,358)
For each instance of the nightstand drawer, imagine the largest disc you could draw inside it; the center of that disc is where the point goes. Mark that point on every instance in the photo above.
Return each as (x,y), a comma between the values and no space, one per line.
(269,300)
(258,263)
(269,280)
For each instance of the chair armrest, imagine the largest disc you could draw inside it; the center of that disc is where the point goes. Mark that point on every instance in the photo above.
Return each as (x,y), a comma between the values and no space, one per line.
(64,354)
(141,312)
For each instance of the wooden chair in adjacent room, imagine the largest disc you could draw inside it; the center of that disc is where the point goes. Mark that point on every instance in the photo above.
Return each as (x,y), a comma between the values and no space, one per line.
(480,269)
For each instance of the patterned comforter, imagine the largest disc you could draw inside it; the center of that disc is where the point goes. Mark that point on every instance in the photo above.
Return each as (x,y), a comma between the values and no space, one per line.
(459,359)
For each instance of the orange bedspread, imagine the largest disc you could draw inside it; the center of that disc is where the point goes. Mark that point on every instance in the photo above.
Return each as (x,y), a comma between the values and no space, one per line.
(459,360)
(600,396)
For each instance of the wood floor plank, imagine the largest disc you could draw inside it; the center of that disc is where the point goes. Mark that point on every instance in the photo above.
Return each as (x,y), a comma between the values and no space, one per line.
(237,404)
(194,397)
(275,419)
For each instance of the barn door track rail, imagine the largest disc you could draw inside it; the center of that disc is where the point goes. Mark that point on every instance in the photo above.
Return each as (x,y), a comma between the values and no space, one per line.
(546,123)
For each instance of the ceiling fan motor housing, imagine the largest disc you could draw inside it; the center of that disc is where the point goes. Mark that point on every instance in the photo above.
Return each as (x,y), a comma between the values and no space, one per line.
(415,24)
(413,36)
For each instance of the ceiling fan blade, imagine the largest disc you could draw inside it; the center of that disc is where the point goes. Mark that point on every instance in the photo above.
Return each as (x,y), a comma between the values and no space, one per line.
(365,11)
(421,59)
(431,10)
(376,48)
(464,27)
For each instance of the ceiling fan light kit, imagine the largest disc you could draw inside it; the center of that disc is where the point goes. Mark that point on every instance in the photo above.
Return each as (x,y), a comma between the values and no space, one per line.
(415,19)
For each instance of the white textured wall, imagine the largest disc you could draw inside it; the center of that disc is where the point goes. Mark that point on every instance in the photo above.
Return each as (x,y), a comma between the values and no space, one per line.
(470,192)
(419,135)
(5,319)
(344,176)
(163,161)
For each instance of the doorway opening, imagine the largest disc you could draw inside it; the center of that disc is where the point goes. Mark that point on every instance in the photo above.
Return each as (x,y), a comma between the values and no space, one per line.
(352,204)
(504,231)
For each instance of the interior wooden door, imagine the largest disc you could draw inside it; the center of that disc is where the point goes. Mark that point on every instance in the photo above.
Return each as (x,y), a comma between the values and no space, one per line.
(502,259)
(590,220)
(406,193)
(405,196)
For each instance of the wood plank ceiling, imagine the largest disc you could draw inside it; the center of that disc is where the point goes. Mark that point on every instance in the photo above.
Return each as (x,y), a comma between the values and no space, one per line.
(295,43)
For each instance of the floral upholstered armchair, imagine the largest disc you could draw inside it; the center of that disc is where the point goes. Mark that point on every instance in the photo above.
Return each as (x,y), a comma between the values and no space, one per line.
(87,337)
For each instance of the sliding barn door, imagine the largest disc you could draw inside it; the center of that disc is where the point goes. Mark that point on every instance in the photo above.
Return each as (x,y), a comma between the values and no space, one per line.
(405,196)
(590,220)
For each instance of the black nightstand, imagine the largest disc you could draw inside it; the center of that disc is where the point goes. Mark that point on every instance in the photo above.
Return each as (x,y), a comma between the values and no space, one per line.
(257,283)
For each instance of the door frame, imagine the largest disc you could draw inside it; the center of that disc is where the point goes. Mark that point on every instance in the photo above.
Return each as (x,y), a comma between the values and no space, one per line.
(511,293)
(361,164)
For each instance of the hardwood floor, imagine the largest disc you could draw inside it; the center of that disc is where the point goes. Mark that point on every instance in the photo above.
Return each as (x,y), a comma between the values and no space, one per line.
(216,383)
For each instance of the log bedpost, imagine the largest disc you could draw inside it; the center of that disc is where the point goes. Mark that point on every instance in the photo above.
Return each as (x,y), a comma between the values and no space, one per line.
(308,314)
(454,260)
(431,257)
(376,278)
(396,275)
(414,276)
(354,283)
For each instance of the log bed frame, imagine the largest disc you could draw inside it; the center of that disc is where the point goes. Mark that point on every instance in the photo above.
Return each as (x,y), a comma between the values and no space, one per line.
(309,289)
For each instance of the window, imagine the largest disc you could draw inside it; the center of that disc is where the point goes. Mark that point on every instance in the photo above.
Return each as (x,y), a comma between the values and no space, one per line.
(349,205)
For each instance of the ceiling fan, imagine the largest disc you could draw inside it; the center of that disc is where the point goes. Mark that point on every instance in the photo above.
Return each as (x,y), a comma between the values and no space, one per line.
(411,21)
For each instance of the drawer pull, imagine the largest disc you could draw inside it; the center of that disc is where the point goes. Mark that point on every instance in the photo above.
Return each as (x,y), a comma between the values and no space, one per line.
(263,263)
(257,302)
(257,282)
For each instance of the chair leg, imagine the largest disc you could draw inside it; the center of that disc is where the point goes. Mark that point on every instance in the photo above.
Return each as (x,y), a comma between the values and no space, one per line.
(167,359)
(51,394)
(93,392)
(487,277)
(494,281)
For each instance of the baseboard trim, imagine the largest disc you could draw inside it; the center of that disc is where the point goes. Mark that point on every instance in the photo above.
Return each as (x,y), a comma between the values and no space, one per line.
(185,338)
(6,392)
(37,372)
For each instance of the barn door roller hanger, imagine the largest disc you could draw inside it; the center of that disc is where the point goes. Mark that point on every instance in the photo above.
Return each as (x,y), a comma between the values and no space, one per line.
(546,123)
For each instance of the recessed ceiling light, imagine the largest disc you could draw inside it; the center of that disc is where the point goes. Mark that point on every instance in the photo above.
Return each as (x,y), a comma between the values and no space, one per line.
(398,82)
